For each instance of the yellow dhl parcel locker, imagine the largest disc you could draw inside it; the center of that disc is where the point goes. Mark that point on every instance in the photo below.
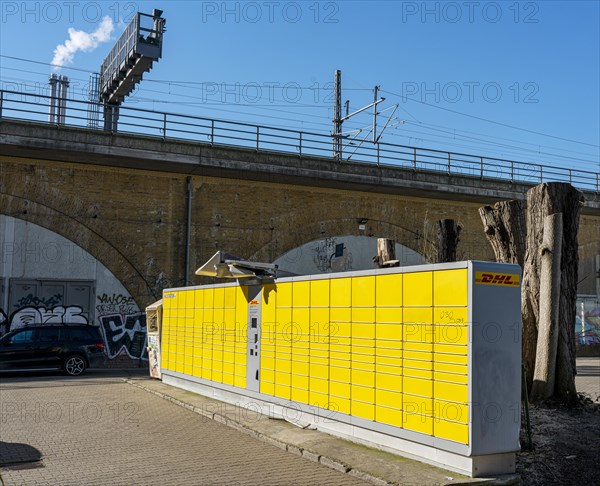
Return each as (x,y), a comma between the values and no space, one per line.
(424,361)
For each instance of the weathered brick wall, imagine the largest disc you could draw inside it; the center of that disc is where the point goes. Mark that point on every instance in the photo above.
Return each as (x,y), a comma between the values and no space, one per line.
(133,221)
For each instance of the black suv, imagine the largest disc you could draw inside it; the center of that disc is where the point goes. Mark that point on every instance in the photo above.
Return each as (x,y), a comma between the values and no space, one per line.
(72,348)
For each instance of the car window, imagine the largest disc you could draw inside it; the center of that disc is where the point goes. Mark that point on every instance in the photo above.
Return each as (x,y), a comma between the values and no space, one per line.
(47,335)
(23,337)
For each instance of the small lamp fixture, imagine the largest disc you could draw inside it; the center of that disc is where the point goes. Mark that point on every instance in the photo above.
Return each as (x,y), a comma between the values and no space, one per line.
(362,223)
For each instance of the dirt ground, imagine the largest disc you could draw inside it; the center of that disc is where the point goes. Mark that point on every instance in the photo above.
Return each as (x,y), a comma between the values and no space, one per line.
(566,445)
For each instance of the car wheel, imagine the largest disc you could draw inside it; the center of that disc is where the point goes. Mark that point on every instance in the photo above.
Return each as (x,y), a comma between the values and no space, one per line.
(74,365)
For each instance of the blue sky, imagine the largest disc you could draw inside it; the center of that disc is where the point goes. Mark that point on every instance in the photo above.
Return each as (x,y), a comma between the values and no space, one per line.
(529,65)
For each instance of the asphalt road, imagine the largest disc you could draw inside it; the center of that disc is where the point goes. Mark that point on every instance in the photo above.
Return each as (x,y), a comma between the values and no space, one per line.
(97,429)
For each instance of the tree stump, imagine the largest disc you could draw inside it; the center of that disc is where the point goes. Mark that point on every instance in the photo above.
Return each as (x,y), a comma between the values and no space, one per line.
(448,232)
(386,253)
(543,200)
(504,227)
(548,328)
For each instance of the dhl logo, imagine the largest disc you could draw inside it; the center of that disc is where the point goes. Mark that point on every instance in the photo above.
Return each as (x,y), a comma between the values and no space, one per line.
(170,296)
(501,279)
(254,302)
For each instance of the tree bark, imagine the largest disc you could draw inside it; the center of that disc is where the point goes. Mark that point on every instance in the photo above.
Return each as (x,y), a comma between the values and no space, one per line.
(386,253)
(448,232)
(504,227)
(542,200)
(548,330)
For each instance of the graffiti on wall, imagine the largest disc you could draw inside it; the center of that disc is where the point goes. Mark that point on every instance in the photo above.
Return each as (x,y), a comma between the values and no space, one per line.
(123,325)
(34,301)
(331,256)
(41,315)
(125,333)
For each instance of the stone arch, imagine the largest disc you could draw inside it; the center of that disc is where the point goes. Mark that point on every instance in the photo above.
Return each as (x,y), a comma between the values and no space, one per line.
(335,228)
(339,254)
(89,240)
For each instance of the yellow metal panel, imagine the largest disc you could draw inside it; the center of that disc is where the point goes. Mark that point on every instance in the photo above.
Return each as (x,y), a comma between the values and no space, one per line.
(217,375)
(319,293)
(208,299)
(451,334)
(318,399)
(319,320)
(339,373)
(283,378)
(363,291)
(266,388)
(450,392)
(363,315)
(450,315)
(337,314)
(228,379)
(418,423)
(388,398)
(417,373)
(337,404)
(388,290)
(300,368)
(230,297)
(388,378)
(388,416)
(339,331)
(459,359)
(282,391)
(450,287)
(219,298)
(299,395)
(301,294)
(187,369)
(319,386)
(451,431)
(417,386)
(267,363)
(420,333)
(267,376)
(416,346)
(451,378)
(362,393)
(337,389)
(364,331)
(386,347)
(319,371)
(418,359)
(206,370)
(364,378)
(283,365)
(240,369)
(418,289)
(449,367)
(300,381)
(454,412)
(284,294)
(390,315)
(363,410)
(449,349)
(228,367)
(416,404)
(393,360)
(239,381)
(341,292)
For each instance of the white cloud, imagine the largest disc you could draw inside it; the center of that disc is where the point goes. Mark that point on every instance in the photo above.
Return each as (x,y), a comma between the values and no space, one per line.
(81,41)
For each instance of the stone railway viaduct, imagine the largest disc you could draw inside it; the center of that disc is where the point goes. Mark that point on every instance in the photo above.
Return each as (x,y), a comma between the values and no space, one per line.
(124,199)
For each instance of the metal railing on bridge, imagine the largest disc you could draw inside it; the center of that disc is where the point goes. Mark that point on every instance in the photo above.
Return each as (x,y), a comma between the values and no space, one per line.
(173,126)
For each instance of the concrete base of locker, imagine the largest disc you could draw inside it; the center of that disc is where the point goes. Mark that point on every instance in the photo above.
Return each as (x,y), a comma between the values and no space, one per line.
(433,451)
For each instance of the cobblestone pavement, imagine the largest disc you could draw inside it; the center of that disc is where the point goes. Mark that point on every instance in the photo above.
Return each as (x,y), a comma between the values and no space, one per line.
(587,379)
(97,429)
